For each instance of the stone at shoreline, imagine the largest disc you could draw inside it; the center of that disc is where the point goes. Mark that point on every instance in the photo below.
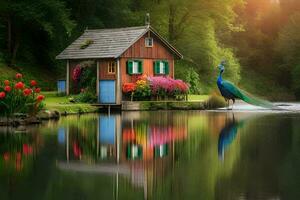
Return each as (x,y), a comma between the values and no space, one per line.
(47,114)
(20,119)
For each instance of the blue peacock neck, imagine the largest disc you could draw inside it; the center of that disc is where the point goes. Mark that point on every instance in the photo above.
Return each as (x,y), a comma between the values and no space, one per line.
(220,77)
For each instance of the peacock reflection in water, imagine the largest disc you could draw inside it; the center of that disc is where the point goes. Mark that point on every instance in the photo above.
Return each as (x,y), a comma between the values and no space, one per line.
(227,135)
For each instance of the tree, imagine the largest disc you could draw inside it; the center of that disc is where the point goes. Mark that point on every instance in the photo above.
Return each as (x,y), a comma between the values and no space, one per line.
(197,29)
(26,18)
(288,47)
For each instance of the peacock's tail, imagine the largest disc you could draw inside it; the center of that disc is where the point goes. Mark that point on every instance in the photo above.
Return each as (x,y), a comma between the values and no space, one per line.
(248,98)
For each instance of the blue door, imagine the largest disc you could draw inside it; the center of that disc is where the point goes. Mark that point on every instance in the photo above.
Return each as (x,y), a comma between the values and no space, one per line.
(107,94)
(61,86)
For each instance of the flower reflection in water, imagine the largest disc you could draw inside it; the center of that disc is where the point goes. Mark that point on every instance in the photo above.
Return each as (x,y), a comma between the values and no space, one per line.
(18,150)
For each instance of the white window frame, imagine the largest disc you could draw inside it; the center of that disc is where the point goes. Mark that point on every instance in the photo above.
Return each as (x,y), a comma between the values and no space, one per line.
(148,43)
(135,67)
(162,67)
(112,67)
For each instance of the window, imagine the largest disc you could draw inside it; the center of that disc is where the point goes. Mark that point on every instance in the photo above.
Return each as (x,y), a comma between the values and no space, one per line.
(134,67)
(149,42)
(161,67)
(112,67)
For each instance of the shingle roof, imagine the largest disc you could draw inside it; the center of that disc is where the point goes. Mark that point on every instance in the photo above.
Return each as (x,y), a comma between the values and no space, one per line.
(108,43)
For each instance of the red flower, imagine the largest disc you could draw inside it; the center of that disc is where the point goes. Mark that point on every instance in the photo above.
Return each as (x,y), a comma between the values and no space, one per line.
(2,95)
(40,98)
(37,90)
(33,83)
(7,88)
(20,86)
(27,92)
(19,76)
(76,73)
(6,82)
(129,87)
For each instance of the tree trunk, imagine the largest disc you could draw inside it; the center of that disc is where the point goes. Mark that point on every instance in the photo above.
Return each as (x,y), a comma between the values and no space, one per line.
(9,37)
(15,48)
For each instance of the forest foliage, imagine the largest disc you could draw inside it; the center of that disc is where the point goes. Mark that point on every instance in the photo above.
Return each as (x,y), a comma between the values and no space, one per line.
(260,36)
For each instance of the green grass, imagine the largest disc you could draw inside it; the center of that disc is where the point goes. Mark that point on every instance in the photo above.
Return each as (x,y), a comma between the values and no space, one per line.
(63,105)
(198,97)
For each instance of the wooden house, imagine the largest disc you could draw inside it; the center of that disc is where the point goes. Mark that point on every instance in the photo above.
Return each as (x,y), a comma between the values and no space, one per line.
(120,55)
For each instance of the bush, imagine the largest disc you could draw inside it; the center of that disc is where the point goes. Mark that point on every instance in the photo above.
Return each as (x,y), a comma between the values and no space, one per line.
(215,101)
(86,96)
(83,76)
(193,79)
(161,87)
(19,97)
(167,87)
(142,90)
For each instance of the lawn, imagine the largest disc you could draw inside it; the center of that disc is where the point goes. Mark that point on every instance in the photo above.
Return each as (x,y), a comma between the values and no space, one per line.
(63,105)
(198,97)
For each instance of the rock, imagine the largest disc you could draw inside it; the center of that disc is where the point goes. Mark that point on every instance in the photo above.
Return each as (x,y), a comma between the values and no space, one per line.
(47,114)
(20,115)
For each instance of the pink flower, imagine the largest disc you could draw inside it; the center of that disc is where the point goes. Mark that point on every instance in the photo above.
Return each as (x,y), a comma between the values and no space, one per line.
(167,85)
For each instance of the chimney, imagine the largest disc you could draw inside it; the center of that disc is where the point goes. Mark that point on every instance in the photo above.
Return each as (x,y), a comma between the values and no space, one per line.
(147,20)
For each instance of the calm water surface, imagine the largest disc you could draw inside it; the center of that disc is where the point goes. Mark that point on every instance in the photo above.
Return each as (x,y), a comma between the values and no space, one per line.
(154,155)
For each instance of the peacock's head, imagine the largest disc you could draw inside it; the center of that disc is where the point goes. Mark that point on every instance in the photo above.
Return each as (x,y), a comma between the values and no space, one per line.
(221,67)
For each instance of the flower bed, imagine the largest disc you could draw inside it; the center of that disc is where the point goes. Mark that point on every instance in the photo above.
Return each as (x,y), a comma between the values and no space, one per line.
(18,97)
(146,88)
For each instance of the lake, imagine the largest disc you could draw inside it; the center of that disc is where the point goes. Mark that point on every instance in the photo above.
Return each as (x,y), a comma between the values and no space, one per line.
(154,155)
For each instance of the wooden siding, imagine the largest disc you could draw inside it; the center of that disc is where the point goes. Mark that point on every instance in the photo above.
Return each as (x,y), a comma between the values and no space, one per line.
(139,50)
(147,69)
(103,70)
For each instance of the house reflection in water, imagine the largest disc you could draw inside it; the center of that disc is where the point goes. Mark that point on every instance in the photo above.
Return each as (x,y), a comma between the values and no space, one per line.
(140,150)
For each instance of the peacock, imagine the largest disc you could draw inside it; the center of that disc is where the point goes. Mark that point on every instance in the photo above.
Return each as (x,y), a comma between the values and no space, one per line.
(231,92)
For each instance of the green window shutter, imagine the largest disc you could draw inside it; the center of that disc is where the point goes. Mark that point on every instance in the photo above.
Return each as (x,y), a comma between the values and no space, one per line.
(129,67)
(167,68)
(140,67)
(156,70)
